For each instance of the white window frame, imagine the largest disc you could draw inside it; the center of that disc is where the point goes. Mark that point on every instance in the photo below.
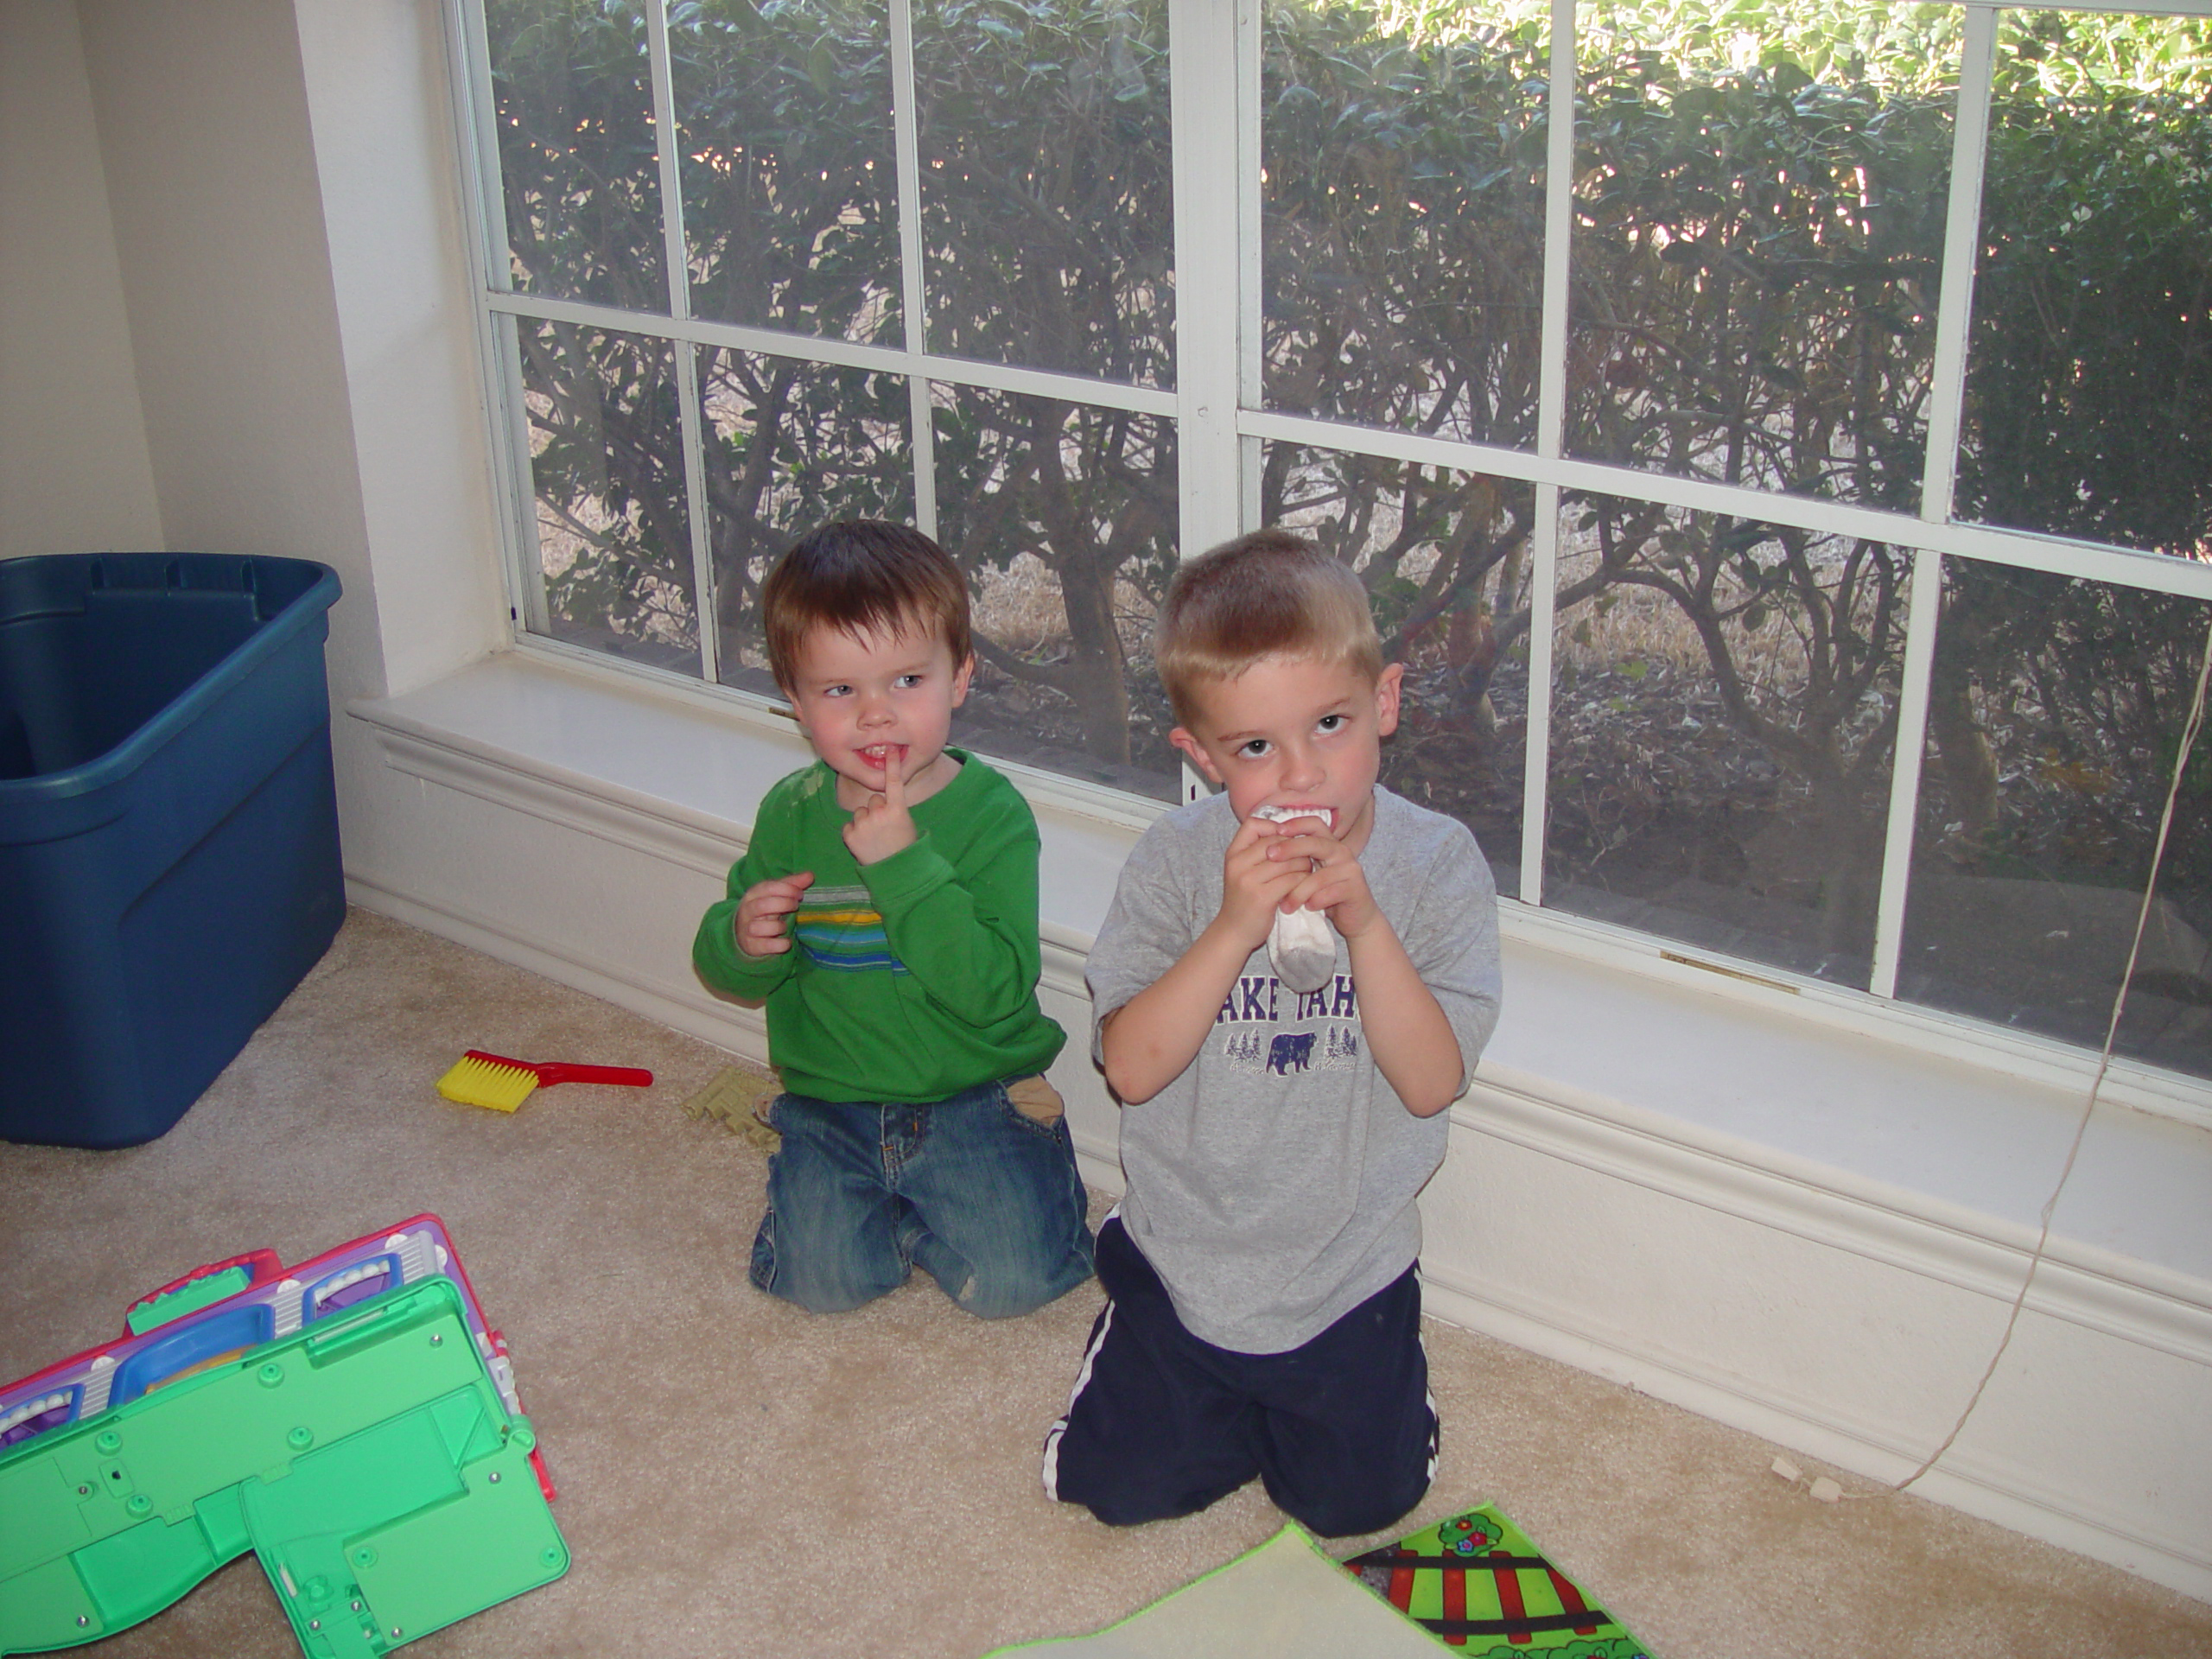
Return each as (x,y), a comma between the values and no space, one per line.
(1221,421)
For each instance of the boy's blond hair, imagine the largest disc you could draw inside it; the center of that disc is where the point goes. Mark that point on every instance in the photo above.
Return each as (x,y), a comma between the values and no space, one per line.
(1269,594)
(861,575)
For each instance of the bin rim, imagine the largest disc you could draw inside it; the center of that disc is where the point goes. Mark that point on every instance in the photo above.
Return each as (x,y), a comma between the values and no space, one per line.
(103,770)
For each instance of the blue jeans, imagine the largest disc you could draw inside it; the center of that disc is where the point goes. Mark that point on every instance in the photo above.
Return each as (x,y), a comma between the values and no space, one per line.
(985,1201)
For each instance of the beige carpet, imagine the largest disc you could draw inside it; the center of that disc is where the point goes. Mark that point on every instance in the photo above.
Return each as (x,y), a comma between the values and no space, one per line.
(737,1477)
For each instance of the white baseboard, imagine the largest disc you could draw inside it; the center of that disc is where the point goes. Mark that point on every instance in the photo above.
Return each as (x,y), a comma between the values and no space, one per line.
(1890,1224)
(1960,1481)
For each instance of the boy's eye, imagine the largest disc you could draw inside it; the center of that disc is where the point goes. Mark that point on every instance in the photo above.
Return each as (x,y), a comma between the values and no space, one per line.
(908,682)
(1333,722)
(1254,748)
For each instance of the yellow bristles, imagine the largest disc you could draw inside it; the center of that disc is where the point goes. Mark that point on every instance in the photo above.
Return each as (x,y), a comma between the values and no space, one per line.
(476,1081)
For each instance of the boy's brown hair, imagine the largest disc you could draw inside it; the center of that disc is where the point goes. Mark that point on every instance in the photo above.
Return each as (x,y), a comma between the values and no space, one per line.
(861,575)
(1270,594)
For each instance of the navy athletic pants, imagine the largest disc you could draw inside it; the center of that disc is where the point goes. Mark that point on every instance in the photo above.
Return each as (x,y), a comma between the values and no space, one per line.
(1342,1430)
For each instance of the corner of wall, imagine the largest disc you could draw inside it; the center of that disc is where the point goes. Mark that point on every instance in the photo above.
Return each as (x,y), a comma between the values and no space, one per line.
(227,284)
(75,473)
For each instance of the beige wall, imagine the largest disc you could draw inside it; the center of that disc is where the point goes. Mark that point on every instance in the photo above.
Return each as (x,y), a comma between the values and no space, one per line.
(74,472)
(218,212)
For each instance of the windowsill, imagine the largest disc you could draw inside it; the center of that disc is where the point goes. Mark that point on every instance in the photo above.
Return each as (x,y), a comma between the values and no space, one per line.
(700,761)
(1914,1114)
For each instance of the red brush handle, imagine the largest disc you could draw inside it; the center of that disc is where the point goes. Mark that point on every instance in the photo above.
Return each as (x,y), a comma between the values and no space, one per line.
(553,1072)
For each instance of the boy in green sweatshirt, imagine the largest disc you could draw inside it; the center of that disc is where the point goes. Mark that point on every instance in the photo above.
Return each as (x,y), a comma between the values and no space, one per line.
(885,910)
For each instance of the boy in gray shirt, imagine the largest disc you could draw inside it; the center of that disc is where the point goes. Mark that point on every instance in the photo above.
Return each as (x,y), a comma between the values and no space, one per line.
(1263,1314)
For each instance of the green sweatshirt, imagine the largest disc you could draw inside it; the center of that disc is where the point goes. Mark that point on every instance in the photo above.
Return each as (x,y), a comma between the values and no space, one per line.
(910,979)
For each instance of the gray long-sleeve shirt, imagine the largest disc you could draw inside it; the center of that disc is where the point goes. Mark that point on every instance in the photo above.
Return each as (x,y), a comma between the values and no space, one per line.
(1271,1184)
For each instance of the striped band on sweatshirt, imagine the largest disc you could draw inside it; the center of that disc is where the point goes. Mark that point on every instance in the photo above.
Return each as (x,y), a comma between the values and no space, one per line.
(841,930)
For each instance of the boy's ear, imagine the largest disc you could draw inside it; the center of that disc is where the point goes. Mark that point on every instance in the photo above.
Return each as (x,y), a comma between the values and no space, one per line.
(1388,686)
(1195,752)
(960,678)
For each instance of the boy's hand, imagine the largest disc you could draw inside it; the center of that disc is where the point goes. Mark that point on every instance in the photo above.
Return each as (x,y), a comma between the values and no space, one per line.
(764,914)
(882,826)
(1403,1026)
(1334,885)
(1255,882)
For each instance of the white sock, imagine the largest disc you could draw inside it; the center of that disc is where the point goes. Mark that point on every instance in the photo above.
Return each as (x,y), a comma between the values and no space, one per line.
(1301,946)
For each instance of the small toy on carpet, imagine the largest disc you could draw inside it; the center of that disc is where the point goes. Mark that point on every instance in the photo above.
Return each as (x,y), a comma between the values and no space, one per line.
(352,1421)
(1476,1581)
(733,1097)
(502,1085)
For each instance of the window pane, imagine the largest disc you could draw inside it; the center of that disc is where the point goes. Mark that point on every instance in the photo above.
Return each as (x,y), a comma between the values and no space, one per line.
(2055,716)
(1758,244)
(791,445)
(578,170)
(1722,731)
(1403,216)
(607,467)
(1048,208)
(1063,516)
(2089,367)
(1445,556)
(790,194)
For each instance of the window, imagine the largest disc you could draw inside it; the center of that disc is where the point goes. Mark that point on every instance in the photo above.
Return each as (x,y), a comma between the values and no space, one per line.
(916,263)
(1776,434)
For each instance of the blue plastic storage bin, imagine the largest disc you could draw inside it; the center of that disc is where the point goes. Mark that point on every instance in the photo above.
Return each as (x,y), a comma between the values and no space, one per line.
(168,833)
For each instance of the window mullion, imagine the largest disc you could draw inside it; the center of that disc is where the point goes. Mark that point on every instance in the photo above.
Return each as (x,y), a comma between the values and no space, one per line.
(477,118)
(1961,241)
(1558,234)
(1251,338)
(906,126)
(676,252)
(1215,271)
(476,126)
(1551,424)
(1947,397)
(1544,616)
(528,561)
(693,413)
(674,247)
(1922,612)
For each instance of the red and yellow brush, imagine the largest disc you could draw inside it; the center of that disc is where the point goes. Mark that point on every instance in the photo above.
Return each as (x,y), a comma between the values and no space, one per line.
(493,1080)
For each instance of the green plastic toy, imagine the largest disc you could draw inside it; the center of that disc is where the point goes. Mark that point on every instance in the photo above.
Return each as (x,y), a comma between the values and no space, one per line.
(1479,1583)
(368,1459)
